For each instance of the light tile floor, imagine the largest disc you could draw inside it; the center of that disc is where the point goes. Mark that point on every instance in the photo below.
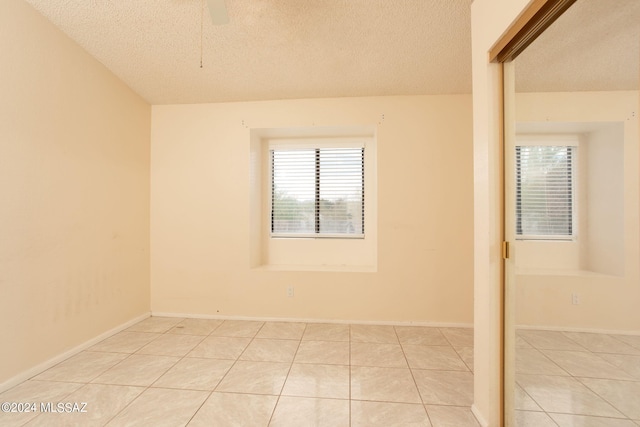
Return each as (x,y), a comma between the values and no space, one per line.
(572,379)
(196,372)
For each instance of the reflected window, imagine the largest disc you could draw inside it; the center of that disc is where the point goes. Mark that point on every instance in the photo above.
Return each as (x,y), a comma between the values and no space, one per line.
(545,192)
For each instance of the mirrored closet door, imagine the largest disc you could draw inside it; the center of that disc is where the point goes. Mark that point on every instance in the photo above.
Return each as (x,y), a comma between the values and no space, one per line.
(572,197)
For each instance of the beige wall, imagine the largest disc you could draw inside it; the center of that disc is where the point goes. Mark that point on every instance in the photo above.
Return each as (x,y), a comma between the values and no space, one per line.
(607,281)
(74,182)
(201,241)
(489,20)
(608,195)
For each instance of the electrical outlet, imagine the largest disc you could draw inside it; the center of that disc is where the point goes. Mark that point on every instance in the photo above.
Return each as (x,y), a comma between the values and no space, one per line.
(575,298)
(290,291)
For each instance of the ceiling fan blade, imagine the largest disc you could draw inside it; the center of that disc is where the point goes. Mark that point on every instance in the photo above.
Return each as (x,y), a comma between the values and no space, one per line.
(218,11)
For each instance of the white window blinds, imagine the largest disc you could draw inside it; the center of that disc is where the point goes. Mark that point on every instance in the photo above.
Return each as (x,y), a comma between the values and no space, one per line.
(544,192)
(317,191)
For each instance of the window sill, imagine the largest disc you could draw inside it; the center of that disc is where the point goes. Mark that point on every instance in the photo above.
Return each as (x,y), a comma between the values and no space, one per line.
(329,268)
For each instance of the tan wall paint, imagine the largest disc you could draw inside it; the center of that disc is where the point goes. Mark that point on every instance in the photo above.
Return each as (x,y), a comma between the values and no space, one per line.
(489,20)
(607,302)
(605,252)
(200,198)
(74,184)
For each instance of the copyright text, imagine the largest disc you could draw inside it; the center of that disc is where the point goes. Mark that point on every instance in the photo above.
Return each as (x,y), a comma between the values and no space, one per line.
(54,407)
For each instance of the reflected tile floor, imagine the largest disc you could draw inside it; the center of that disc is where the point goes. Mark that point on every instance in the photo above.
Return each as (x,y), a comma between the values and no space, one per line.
(199,372)
(575,379)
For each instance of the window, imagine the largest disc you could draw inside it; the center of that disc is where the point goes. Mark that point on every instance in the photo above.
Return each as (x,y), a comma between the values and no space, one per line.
(284,193)
(545,192)
(317,192)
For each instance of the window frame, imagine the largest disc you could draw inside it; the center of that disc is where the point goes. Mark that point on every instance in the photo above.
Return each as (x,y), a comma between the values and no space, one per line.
(569,140)
(317,144)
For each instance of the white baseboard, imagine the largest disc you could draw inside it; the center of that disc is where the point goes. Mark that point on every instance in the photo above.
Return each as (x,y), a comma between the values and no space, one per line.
(587,330)
(30,373)
(308,320)
(476,413)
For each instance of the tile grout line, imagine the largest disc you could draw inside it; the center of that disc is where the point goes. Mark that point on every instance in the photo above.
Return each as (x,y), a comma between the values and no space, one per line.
(275,406)
(544,411)
(230,367)
(166,332)
(350,365)
(239,355)
(603,398)
(145,387)
(89,382)
(185,356)
(210,393)
(415,383)
(578,379)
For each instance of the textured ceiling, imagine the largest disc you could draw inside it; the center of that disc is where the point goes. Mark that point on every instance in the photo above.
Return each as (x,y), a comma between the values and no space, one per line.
(281,49)
(595,45)
(274,49)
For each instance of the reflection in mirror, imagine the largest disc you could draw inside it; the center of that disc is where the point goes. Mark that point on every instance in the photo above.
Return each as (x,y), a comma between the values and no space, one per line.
(573,184)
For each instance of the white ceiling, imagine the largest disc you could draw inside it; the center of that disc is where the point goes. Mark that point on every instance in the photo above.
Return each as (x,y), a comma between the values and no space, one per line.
(274,49)
(282,49)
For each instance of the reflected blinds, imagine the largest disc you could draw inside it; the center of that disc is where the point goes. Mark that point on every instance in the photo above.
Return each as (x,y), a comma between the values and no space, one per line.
(544,191)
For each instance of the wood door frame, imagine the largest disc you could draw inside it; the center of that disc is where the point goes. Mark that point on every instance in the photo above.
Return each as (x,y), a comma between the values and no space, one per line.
(532,22)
